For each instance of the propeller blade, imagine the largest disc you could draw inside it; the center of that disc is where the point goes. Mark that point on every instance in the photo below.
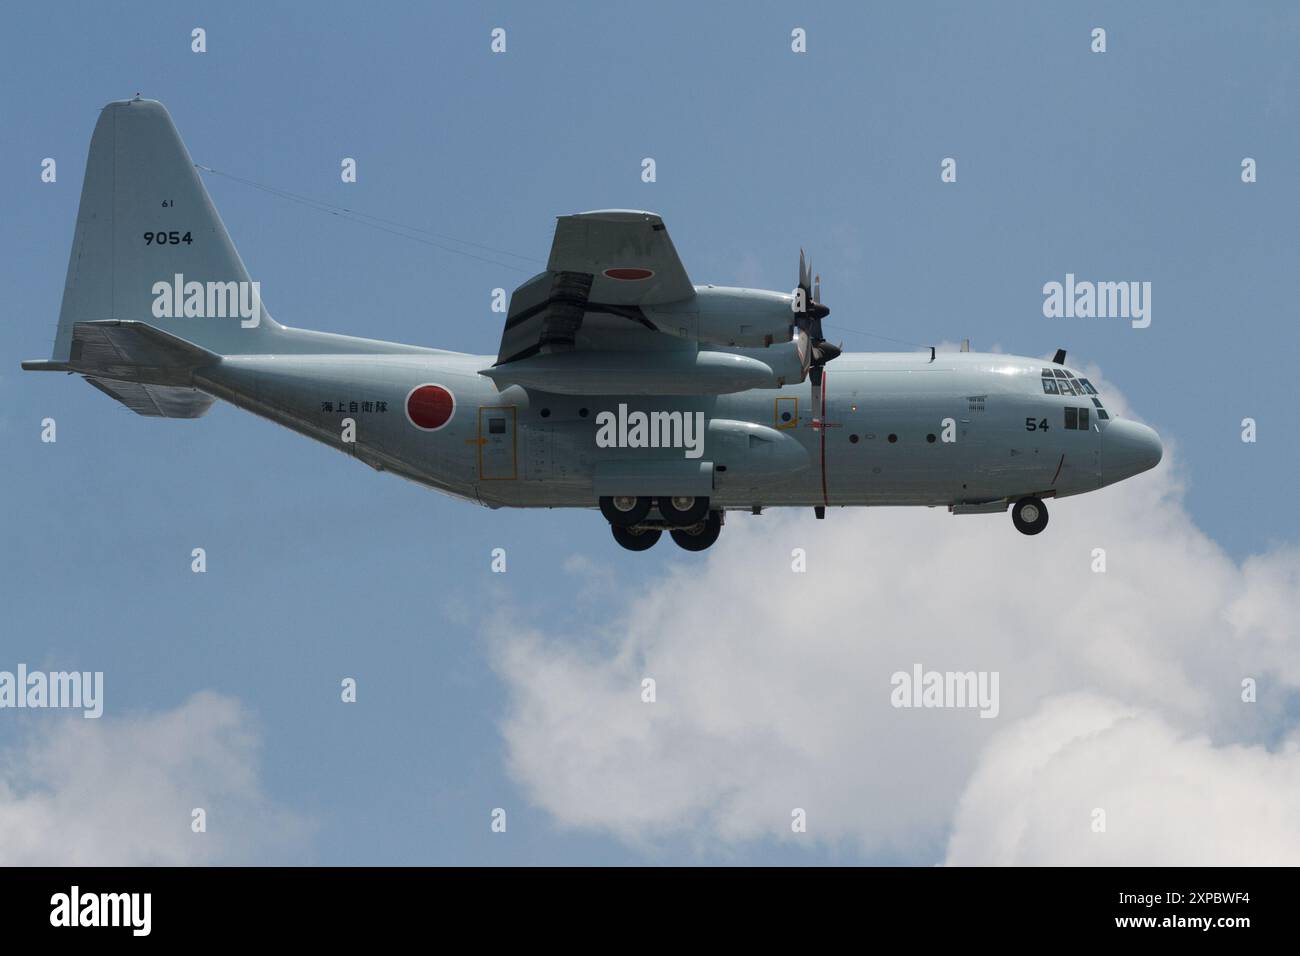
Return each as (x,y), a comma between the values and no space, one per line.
(824,352)
(809,317)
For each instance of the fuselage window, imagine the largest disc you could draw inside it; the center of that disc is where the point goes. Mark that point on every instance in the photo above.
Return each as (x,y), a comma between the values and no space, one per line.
(1101,413)
(1059,372)
(1049,386)
(1087,386)
(1072,418)
(496,426)
(1083,419)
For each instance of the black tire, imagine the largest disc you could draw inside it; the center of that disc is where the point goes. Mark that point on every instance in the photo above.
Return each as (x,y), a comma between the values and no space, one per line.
(636,539)
(682,512)
(700,536)
(1029,515)
(624,511)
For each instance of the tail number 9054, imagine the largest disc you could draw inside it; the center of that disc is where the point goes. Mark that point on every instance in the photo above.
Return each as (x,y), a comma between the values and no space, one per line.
(174,238)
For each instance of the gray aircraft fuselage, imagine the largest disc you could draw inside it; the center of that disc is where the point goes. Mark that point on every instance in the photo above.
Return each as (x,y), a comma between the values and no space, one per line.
(897,429)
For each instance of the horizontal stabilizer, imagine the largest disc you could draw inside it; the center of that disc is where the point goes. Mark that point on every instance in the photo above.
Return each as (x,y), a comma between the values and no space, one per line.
(134,352)
(159,401)
(148,370)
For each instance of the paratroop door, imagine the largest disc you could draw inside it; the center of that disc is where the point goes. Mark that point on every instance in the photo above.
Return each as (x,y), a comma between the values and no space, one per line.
(496,442)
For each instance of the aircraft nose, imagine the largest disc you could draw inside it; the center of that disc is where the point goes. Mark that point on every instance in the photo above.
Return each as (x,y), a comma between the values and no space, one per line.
(1128,449)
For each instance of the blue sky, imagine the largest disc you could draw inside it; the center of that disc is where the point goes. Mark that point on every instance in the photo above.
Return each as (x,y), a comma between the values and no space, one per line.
(1117,166)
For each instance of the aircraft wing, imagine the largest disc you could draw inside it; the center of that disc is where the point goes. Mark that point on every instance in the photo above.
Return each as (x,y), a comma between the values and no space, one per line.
(604,265)
(615,314)
(628,254)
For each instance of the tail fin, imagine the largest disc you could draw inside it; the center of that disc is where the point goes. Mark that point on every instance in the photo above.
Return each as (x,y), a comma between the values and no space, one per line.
(149,246)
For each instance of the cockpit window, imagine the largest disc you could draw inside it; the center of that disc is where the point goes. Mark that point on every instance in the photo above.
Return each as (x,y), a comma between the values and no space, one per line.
(1057,381)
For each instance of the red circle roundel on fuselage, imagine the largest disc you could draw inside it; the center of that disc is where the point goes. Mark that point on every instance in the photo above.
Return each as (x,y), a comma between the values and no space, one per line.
(430,407)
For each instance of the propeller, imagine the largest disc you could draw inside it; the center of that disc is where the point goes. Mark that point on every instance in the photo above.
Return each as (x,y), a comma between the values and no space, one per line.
(809,319)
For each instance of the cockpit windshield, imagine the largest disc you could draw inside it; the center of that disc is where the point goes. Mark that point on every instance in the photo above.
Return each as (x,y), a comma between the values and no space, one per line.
(1060,381)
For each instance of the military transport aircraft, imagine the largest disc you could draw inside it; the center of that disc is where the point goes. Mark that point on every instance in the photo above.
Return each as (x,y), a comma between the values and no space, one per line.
(619,384)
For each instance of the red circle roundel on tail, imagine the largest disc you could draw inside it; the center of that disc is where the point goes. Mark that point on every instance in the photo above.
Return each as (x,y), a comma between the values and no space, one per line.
(429,407)
(629,275)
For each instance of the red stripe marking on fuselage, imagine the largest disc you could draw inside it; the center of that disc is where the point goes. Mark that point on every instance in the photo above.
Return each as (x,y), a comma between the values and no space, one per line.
(825,499)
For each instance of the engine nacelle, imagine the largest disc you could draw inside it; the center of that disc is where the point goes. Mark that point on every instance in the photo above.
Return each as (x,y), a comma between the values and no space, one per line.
(684,371)
(716,315)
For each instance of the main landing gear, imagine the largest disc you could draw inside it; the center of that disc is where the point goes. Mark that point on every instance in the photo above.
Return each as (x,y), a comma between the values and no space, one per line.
(1029,515)
(700,535)
(639,538)
(693,525)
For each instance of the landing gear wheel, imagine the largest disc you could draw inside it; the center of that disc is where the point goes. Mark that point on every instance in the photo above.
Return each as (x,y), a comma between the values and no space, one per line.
(1029,515)
(636,539)
(683,512)
(624,511)
(699,536)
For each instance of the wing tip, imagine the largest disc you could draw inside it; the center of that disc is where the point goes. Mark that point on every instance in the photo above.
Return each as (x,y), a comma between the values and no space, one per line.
(617,215)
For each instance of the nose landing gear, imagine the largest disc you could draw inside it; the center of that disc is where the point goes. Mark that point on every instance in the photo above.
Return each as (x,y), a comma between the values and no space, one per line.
(1029,515)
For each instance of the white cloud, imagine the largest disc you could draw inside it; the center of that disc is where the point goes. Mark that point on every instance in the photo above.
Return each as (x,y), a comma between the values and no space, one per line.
(120,790)
(1168,798)
(773,687)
